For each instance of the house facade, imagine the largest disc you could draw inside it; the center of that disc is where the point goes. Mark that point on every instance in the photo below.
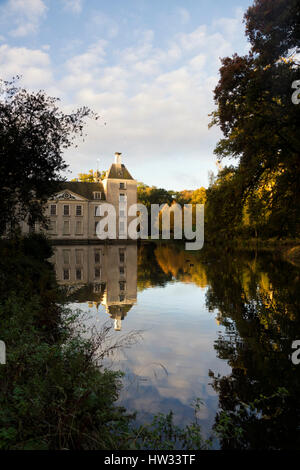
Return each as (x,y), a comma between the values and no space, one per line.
(73,212)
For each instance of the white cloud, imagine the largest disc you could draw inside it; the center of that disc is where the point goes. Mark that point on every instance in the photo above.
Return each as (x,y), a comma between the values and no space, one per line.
(75,6)
(155,99)
(24,15)
(32,64)
(231,27)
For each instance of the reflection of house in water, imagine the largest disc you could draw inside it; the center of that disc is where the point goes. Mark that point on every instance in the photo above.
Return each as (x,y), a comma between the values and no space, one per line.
(99,274)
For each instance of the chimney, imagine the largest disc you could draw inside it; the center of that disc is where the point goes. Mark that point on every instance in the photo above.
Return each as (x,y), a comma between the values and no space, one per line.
(118,158)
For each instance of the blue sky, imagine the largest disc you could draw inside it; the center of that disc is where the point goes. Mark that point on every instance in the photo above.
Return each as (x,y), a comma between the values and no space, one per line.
(148,67)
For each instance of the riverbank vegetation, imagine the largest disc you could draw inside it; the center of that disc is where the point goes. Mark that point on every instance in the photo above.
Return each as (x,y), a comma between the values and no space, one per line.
(55,391)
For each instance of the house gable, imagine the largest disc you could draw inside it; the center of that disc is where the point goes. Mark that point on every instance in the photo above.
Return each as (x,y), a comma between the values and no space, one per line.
(67,195)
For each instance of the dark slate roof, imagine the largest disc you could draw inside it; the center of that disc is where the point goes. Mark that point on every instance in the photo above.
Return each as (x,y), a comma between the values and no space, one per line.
(83,188)
(120,172)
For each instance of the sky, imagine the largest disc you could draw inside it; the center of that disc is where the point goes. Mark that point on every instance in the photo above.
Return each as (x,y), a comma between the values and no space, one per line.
(147,67)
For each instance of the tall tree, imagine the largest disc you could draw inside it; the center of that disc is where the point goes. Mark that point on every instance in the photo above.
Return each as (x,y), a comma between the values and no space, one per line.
(256,114)
(34,133)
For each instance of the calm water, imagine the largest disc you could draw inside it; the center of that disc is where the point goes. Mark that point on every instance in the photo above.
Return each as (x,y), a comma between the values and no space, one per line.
(215,325)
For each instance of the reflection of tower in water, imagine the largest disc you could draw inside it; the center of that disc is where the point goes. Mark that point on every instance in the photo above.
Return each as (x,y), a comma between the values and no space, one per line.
(121,287)
(99,274)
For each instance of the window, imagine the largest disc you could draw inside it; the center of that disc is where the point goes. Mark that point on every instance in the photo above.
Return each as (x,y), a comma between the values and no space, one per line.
(122,185)
(66,256)
(122,227)
(66,274)
(52,226)
(78,210)
(97,273)
(66,209)
(53,209)
(97,256)
(66,228)
(122,285)
(97,288)
(122,255)
(122,297)
(122,197)
(78,256)
(122,270)
(97,195)
(78,227)
(97,211)
(122,213)
(78,274)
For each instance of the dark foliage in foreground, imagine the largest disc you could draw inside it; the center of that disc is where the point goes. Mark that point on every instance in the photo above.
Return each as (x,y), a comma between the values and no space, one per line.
(55,392)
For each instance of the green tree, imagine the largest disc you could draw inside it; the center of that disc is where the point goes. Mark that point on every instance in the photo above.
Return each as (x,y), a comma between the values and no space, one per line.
(256,115)
(34,133)
(90,177)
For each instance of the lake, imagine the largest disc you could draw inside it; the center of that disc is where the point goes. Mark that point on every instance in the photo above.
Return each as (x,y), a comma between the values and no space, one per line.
(215,325)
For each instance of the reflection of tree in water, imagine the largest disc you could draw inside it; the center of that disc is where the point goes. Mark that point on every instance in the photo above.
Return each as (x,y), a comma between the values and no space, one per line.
(258,301)
(159,264)
(149,272)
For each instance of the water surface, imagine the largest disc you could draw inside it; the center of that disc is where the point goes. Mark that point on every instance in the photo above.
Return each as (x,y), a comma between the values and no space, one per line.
(215,325)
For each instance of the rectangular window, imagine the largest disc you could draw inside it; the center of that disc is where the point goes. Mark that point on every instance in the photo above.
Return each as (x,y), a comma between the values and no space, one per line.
(122,227)
(122,213)
(66,209)
(97,256)
(78,256)
(52,226)
(97,195)
(122,197)
(97,273)
(97,288)
(78,274)
(122,255)
(66,274)
(53,209)
(66,229)
(78,229)
(122,285)
(122,297)
(66,256)
(122,186)
(78,210)
(122,270)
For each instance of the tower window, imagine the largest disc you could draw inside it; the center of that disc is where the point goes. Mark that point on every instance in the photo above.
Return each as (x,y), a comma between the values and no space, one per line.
(97,273)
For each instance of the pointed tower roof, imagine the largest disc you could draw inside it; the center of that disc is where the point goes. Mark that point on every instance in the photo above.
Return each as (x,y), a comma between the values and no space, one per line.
(118,170)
